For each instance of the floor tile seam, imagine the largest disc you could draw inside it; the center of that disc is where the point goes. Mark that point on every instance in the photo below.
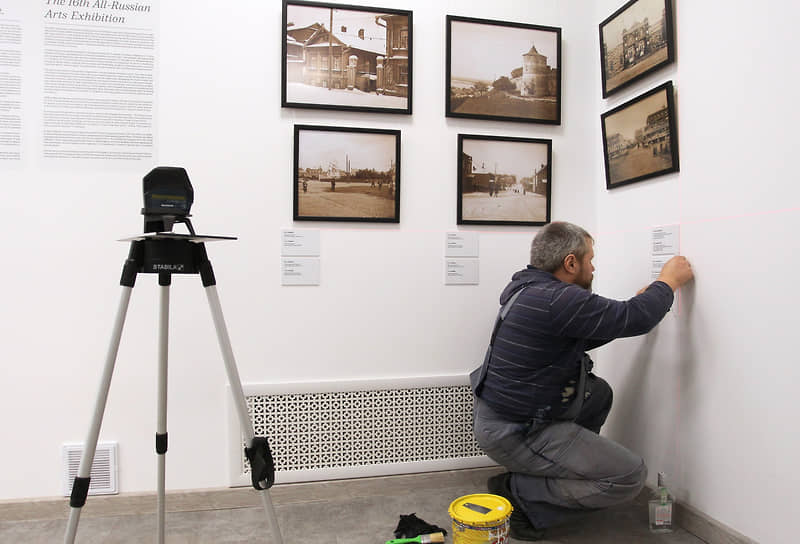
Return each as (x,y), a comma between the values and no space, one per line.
(278,502)
(129,513)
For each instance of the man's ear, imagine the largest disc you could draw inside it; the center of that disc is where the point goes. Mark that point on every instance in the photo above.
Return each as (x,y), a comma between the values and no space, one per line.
(570,263)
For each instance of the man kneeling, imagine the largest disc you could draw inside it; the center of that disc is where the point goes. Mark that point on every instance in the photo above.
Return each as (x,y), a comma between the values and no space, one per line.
(538,407)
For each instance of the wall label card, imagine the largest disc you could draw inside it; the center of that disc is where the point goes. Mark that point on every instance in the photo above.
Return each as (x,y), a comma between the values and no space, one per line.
(665,244)
(657,263)
(666,240)
(461,271)
(461,244)
(299,271)
(300,242)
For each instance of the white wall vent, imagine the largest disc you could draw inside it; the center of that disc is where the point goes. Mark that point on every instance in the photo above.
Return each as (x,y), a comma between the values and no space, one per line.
(103,476)
(366,428)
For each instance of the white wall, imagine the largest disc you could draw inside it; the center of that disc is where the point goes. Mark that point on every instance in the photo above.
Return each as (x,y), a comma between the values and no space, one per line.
(382,310)
(708,396)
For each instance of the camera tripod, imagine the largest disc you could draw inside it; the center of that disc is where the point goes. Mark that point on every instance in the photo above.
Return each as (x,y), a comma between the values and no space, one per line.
(166,254)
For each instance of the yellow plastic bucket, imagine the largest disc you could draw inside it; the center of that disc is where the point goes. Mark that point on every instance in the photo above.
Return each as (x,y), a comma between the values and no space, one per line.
(480,519)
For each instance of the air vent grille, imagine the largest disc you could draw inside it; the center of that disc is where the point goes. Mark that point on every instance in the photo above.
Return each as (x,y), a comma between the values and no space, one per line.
(103,476)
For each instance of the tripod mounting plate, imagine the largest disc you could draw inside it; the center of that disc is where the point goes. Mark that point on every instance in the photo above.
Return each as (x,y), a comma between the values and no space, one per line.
(176,236)
(169,253)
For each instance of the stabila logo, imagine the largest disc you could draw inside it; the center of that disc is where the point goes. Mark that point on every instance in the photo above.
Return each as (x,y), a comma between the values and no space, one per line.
(168,267)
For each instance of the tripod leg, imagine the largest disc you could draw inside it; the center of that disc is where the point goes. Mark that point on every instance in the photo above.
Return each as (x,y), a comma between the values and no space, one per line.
(80,487)
(164,280)
(236,388)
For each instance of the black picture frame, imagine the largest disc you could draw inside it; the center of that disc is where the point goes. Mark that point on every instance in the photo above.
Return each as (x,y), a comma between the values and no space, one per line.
(364,65)
(528,88)
(636,40)
(640,138)
(339,174)
(493,185)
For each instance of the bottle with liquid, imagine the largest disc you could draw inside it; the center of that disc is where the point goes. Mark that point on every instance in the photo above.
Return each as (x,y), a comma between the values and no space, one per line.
(661,508)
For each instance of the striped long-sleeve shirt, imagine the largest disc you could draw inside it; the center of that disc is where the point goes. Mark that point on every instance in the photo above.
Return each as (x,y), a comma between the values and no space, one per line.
(540,344)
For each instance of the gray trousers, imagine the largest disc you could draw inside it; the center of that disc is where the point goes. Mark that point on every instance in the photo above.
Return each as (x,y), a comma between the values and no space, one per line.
(562,469)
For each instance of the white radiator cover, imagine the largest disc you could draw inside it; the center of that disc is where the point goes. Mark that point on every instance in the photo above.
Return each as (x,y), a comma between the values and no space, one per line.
(333,430)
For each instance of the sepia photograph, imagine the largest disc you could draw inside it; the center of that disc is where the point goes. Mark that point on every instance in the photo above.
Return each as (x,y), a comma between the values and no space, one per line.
(640,140)
(636,40)
(341,57)
(346,174)
(503,71)
(503,181)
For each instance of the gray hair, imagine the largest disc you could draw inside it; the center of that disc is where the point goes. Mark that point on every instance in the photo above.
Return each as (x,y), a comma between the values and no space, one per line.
(555,241)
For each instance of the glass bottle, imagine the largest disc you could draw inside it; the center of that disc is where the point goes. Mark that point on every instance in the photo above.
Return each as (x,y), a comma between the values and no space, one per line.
(661,508)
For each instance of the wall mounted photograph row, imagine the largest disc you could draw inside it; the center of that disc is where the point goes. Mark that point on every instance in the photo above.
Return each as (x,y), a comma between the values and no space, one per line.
(640,138)
(355,58)
(353,174)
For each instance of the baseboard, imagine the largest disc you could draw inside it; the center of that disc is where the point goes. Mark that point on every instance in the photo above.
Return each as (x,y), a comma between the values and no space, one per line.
(701,525)
(707,528)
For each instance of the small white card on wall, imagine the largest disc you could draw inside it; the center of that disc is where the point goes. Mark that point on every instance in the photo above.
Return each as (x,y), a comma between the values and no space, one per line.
(665,244)
(461,271)
(461,244)
(300,242)
(658,262)
(666,240)
(299,271)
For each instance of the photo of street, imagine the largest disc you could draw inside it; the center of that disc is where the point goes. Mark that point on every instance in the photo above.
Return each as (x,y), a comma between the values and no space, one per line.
(346,174)
(504,180)
(638,138)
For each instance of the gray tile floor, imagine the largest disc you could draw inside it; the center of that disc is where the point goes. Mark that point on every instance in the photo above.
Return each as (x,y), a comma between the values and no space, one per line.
(360,511)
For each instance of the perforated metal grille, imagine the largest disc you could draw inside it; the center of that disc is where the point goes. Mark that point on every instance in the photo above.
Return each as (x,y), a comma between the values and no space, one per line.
(356,428)
(102,475)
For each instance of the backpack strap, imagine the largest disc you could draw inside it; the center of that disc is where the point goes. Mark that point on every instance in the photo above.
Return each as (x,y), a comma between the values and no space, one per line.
(477,376)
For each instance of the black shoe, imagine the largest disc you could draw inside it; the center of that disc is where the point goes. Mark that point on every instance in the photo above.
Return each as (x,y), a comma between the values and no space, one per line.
(521,526)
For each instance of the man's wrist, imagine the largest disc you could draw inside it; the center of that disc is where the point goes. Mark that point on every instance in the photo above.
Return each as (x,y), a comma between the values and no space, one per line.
(672,284)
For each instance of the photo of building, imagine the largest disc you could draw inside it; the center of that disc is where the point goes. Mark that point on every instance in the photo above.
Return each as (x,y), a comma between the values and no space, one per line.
(346,57)
(503,72)
(634,42)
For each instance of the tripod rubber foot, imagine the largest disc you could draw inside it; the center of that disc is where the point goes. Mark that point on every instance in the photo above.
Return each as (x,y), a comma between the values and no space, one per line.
(80,488)
(262,466)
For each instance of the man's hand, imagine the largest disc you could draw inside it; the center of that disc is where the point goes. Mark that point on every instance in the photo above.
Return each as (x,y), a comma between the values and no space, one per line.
(676,272)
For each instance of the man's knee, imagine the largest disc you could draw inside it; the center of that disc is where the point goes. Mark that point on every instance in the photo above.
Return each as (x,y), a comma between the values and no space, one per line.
(627,485)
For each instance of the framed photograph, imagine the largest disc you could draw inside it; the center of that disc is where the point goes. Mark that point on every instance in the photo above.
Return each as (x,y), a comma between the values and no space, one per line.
(346,174)
(503,181)
(636,40)
(503,71)
(640,140)
(339,57)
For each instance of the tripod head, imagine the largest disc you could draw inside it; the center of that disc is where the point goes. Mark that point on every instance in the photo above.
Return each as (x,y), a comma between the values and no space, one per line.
(168,198)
